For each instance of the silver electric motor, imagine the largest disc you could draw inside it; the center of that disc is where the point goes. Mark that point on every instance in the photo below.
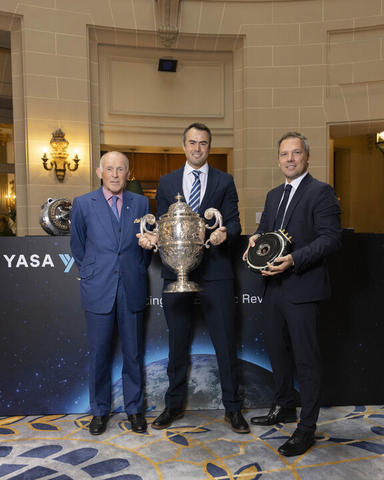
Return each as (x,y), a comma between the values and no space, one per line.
(54,216)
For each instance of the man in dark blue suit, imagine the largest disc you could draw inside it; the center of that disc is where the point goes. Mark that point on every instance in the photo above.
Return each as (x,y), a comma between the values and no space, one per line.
(294,286)
(113,283)
(214,275)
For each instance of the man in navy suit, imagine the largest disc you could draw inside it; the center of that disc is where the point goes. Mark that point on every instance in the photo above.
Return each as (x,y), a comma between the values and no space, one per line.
(113,283)
(214,275)
(294,286)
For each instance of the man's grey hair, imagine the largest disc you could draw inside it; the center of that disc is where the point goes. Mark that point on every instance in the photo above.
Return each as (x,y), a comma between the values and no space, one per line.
(302,137)
(119,153)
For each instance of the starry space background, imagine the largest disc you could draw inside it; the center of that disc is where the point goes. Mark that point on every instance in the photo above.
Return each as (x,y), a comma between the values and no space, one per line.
(43,341)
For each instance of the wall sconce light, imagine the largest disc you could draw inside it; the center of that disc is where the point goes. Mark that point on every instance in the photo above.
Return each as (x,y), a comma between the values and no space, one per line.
(380,141)
(59,145)
(10,201)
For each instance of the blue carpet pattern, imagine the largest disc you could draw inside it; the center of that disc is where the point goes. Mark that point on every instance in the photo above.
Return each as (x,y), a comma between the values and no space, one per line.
(200,446)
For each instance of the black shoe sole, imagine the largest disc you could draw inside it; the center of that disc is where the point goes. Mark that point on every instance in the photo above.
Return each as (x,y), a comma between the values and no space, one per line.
(139,431)
(99,432)
(295,454)
(161,427)
(236,430)
(269,424)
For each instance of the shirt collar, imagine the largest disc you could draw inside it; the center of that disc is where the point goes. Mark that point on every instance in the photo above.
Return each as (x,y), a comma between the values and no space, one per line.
(108,195)
(189,169)
(296,182)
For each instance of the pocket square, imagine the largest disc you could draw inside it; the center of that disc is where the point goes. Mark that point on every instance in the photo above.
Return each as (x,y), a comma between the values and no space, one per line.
(137,220)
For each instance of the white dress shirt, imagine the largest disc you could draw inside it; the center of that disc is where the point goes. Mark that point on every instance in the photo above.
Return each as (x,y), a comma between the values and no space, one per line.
(189,178)
(295,185)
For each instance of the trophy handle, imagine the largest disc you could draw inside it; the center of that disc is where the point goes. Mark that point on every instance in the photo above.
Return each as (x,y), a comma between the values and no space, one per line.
(209,214)
(151,219)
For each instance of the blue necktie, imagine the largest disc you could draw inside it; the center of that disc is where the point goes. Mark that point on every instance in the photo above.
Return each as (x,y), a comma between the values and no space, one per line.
(114,207)
(283,206)
(194,197)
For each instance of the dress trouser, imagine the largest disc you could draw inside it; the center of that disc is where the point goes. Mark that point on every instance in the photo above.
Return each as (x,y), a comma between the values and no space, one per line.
(100,338)
(292,340)
(217,300)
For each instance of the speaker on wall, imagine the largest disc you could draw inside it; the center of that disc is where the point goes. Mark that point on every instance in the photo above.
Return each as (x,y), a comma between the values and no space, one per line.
(167,65)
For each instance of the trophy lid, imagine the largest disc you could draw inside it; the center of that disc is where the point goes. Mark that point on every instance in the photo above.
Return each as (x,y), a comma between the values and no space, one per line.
(179,208)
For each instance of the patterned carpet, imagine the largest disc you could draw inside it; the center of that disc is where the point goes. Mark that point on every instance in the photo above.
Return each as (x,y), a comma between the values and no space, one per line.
(200,446)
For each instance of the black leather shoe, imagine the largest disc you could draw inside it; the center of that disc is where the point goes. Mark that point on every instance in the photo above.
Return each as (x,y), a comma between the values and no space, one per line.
(98,425)
(276,414)
(298,443)
(138,423)
(237,421)
(165,419)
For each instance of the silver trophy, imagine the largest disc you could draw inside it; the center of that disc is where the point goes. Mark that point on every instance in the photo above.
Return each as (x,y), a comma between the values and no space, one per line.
(181,241)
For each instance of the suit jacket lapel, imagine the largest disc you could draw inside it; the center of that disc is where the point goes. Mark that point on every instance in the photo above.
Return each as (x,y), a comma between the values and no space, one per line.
(176,184)
(274,206)
(101,207)
(127,214)
(304,184)
(213,180)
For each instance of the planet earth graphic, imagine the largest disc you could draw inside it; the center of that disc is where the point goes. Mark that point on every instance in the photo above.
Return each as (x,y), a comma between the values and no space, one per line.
(204,391)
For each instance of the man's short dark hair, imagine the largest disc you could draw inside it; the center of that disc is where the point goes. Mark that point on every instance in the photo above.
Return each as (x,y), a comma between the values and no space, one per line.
(198,126)
(302,137)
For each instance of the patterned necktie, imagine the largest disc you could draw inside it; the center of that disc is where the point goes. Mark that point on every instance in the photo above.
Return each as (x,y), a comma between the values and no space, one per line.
(194,197)
(283,206)
(114,207)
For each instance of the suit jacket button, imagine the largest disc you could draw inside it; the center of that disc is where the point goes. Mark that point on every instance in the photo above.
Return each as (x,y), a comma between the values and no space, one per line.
(115,272)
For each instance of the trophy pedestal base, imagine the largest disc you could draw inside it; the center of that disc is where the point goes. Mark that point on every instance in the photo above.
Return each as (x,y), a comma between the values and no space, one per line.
(182,287)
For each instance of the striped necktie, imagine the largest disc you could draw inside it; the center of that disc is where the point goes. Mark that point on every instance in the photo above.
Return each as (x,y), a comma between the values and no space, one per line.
(114,207)
(194,197)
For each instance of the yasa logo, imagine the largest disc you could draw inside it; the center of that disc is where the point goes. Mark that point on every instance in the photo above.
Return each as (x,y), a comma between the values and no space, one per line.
(67,260)
(34,261)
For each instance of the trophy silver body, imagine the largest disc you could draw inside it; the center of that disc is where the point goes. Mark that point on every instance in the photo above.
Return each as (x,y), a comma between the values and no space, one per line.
(181,241)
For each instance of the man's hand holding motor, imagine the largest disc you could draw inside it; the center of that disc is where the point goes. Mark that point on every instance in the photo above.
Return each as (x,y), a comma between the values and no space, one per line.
(251,243)
(285,262)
